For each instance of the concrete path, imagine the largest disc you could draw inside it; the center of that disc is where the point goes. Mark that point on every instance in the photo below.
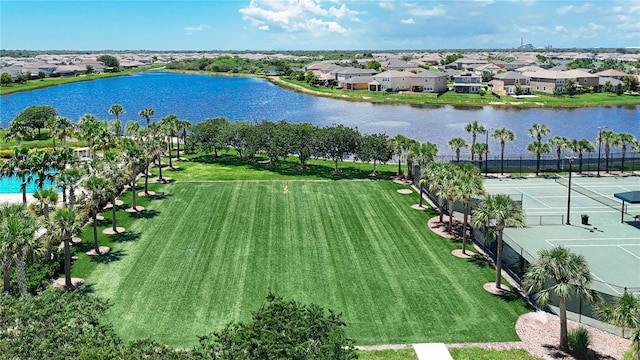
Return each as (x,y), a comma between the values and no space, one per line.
(432,351)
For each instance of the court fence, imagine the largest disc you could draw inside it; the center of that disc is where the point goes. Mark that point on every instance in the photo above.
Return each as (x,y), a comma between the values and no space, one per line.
(516,260)
(549,163)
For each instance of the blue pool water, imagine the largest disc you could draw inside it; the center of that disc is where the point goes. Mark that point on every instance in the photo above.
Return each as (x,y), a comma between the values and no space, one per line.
(11,185)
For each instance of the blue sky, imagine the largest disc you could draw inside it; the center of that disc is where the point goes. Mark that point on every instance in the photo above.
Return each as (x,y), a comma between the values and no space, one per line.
(316,24)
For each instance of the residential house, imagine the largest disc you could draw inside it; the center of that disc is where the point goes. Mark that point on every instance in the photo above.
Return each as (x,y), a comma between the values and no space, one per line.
(506,83)
(547,81)
(392,80)
(465,63)
(467,83)
(612,73)
(347,73)
(602,82)
(429,81)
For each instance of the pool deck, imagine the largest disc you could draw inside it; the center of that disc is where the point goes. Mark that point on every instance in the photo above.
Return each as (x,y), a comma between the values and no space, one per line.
(15,198)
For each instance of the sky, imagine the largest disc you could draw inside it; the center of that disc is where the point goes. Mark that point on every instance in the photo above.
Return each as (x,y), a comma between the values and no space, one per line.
(316,24)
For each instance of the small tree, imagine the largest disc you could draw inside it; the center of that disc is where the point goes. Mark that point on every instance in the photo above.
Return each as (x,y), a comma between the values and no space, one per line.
(281,329)
(571,87)
(623,313)
(6,79)
(562,273)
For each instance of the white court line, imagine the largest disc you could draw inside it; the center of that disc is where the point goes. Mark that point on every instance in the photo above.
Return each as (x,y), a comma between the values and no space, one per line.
(632,254)
(533,198)
(589,239)
(600,245)
(604,282)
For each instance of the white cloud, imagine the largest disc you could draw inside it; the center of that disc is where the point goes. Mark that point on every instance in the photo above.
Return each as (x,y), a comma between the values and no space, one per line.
(573,9)
(196,28)
(342,12)
(389,5)
(560,28)
(408,21)
(484,2)
(297,15)
(596,27)
(437,10)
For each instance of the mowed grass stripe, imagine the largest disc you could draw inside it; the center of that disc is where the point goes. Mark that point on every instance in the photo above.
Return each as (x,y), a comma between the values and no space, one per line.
(213,251)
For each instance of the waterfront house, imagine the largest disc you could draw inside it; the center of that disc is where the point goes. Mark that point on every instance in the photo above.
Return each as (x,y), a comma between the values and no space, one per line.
(547,81)
(347,73)
(428,81)
(506,83)
(466,83)
(611,73)
(393,80)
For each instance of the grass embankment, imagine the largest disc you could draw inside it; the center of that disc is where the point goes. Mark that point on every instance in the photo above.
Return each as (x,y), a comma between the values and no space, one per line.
(204,254)
(52,81)
(452,98)
(40,141)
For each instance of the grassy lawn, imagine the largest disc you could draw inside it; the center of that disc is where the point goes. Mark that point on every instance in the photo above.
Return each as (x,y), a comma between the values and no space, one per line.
(227,167)
(207,253)
(476,353)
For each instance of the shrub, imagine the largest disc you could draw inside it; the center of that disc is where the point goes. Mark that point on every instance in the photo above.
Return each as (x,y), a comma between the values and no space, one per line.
(579,341)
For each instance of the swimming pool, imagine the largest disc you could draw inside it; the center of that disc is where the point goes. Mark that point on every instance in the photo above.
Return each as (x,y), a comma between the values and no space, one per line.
(11,185)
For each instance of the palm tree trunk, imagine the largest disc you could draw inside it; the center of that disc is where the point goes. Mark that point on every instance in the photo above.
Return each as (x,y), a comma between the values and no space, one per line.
(538,164)
(146,178)
(160,166)
(113,212)
(420,196)
(464,227)
(72,197)
(64,195)
(67,264)
(624,150)
(450,216)
(499,261)
(170,149)
(178,147)
(23,187)
(6,272)
(502,159)
(399,165)
(580,163)
(22,277)
(441,208)
(96,246)
(133,192)
(564,343)
(458,155)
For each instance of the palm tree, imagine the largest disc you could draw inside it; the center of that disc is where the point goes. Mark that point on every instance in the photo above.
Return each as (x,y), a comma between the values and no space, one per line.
(132,129)
(66,223)
(609,139)
(423,154)
(46,198)
(470,187)
(115,127)
(58,128)
(538,148)
(20,166)
(146,113)
(69,179)
(537,131)
(474,128)
(503,135)
(434,179)
(453,182)
(562,273)
(580,146)
(21,229)
(96,188)
(503,211)
(624,313)
(132,157)
(559,142)
(169,125)
(479,148)
(625,139)
(91,129)
(456,144)
(114,173)
(116,110)
(8,211)
(397,143)
(183,126)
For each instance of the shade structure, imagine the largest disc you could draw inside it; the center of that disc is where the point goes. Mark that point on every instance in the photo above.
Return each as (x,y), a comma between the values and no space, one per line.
(631,197)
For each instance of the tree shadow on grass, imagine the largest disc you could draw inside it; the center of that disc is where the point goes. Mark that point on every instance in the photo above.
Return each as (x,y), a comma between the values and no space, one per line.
(125,236)
(86,289)
(145,214)
(161,196)
(111,256)
(479,260)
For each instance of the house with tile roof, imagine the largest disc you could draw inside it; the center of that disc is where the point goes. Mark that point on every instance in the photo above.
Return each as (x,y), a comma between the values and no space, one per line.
(547,81)
(467,83)
(506,83)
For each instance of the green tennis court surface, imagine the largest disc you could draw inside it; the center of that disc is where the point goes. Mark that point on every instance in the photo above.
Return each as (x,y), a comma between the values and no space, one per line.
(611,247)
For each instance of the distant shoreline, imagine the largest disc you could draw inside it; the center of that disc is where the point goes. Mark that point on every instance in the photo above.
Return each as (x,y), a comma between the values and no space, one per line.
(468,100)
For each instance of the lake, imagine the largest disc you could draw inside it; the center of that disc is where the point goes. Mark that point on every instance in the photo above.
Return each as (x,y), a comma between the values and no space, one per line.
(198,97)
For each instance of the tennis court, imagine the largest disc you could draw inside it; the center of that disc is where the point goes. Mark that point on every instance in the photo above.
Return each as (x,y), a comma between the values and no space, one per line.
(611,247)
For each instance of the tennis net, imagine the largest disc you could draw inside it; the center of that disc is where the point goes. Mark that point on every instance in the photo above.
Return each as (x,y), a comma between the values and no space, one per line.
(602,199)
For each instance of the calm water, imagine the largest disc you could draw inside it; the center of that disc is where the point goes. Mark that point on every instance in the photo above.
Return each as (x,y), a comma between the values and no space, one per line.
(198,97)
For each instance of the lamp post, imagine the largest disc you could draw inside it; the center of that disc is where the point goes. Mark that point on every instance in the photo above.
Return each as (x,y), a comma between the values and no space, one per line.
(600,145)
(570,159)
